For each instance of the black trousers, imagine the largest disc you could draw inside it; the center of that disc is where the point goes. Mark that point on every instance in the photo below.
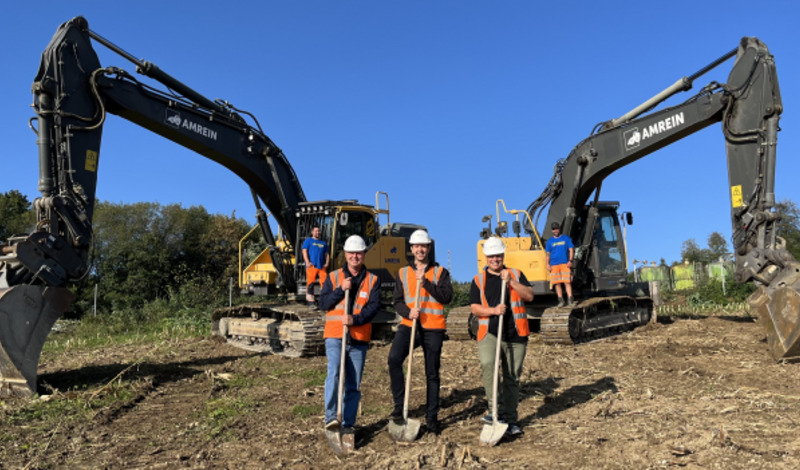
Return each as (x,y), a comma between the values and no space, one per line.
(431,341)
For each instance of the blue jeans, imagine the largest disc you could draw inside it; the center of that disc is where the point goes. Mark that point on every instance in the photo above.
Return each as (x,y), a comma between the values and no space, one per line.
(353,368)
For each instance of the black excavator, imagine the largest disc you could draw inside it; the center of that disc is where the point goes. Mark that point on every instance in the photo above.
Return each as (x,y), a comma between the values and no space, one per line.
(748,106)
(72,95)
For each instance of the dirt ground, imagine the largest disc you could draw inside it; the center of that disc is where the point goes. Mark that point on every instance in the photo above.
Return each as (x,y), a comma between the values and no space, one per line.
(693,393)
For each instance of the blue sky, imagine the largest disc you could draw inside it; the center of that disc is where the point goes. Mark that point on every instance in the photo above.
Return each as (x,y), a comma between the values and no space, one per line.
(446,105)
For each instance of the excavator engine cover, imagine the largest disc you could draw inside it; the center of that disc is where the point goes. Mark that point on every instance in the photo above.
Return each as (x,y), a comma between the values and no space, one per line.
(26,315)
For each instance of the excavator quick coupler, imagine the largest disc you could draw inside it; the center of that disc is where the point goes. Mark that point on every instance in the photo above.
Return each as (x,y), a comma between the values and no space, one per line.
(27,313)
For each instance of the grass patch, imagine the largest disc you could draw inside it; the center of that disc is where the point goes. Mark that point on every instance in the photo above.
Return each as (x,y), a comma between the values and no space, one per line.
(220,413)
(43,414)
(151,324)
(306,411)
(314,377)
(382,410)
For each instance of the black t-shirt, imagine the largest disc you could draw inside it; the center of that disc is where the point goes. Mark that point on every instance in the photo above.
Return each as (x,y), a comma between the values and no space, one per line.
(492,291)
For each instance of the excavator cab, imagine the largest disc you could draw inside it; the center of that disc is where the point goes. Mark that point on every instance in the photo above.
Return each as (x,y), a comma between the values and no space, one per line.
(387,247)
(601,258)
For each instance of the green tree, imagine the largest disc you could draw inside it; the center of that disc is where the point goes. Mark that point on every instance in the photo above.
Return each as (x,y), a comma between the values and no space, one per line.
(789,225)
(16,216)
(691,251)
(717,246)
(145,251)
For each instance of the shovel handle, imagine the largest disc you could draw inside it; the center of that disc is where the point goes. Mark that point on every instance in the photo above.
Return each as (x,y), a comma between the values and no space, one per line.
(342,357)
(497,353)
(411,355)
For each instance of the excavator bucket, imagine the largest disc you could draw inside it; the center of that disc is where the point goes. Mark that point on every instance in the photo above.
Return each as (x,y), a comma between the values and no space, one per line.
(27,313)
(778,309)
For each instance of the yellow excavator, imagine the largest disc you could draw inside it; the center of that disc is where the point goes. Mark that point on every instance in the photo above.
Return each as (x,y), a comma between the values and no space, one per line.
(295,328)
(748,106)
(72,96)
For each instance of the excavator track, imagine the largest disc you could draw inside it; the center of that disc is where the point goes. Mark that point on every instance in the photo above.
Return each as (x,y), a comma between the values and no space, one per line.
(594,318)
(291,330)
(458,324)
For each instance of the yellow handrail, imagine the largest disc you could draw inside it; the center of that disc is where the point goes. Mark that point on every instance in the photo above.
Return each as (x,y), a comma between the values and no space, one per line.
(516,213)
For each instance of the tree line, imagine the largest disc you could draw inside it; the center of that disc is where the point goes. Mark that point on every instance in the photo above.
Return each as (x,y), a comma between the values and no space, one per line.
(788,228)
(146,251)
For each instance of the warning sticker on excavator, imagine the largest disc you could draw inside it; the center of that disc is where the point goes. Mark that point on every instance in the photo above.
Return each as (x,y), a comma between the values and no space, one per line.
(91,161)
(736,196)
(370,228)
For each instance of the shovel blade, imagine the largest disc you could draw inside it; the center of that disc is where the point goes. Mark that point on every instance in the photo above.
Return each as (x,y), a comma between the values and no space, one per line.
(335,440)
(492,433)
(404,431)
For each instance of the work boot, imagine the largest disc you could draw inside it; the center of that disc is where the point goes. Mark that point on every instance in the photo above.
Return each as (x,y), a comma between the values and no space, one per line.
(397,414)
(514,429)
(348,439)
(572,302)
(433,426)
(560,301)
(487,419)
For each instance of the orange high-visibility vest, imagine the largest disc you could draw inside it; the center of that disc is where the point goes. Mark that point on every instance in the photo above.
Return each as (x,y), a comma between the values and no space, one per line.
(517,307)
(431,312)
(333,327)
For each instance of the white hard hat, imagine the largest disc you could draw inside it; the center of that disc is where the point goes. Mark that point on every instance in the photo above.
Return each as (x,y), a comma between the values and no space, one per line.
(420,237)
(493,246)
(354,243)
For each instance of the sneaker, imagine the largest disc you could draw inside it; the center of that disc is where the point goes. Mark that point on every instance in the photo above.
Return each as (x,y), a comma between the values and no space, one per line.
(332,424)
(572,302)
(488,419)
(561,302)
(514,430)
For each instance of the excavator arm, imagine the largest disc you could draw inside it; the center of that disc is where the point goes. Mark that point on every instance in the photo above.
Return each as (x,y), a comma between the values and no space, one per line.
(749,106)
(72,95)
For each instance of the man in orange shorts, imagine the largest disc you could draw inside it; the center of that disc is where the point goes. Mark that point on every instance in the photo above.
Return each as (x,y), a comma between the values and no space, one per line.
(560,252)
(316,256)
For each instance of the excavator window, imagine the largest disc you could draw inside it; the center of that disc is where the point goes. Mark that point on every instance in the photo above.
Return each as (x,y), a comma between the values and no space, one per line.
(608,246)
(356,223)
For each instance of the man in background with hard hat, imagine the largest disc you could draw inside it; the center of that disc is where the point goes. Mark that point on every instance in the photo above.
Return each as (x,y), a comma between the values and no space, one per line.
(486,303)
(357,314)
(435,291)
(560,251)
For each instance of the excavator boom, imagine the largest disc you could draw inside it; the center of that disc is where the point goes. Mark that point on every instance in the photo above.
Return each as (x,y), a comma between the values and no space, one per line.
(748,106)
(72,95)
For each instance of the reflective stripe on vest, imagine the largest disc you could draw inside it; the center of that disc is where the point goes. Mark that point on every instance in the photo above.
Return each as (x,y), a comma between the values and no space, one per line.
(333,326)
(431,312)
(517,307)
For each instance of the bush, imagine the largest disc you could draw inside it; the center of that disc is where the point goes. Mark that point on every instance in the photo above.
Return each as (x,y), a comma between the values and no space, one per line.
(460,294)
(711,292)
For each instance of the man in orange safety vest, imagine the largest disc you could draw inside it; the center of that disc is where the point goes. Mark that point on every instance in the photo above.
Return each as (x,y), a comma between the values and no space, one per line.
(486,303)
(435,291)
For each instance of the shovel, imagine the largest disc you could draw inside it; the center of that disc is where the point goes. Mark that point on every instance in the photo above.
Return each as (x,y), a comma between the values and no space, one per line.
(334,434)
(408,429)
(492,433)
